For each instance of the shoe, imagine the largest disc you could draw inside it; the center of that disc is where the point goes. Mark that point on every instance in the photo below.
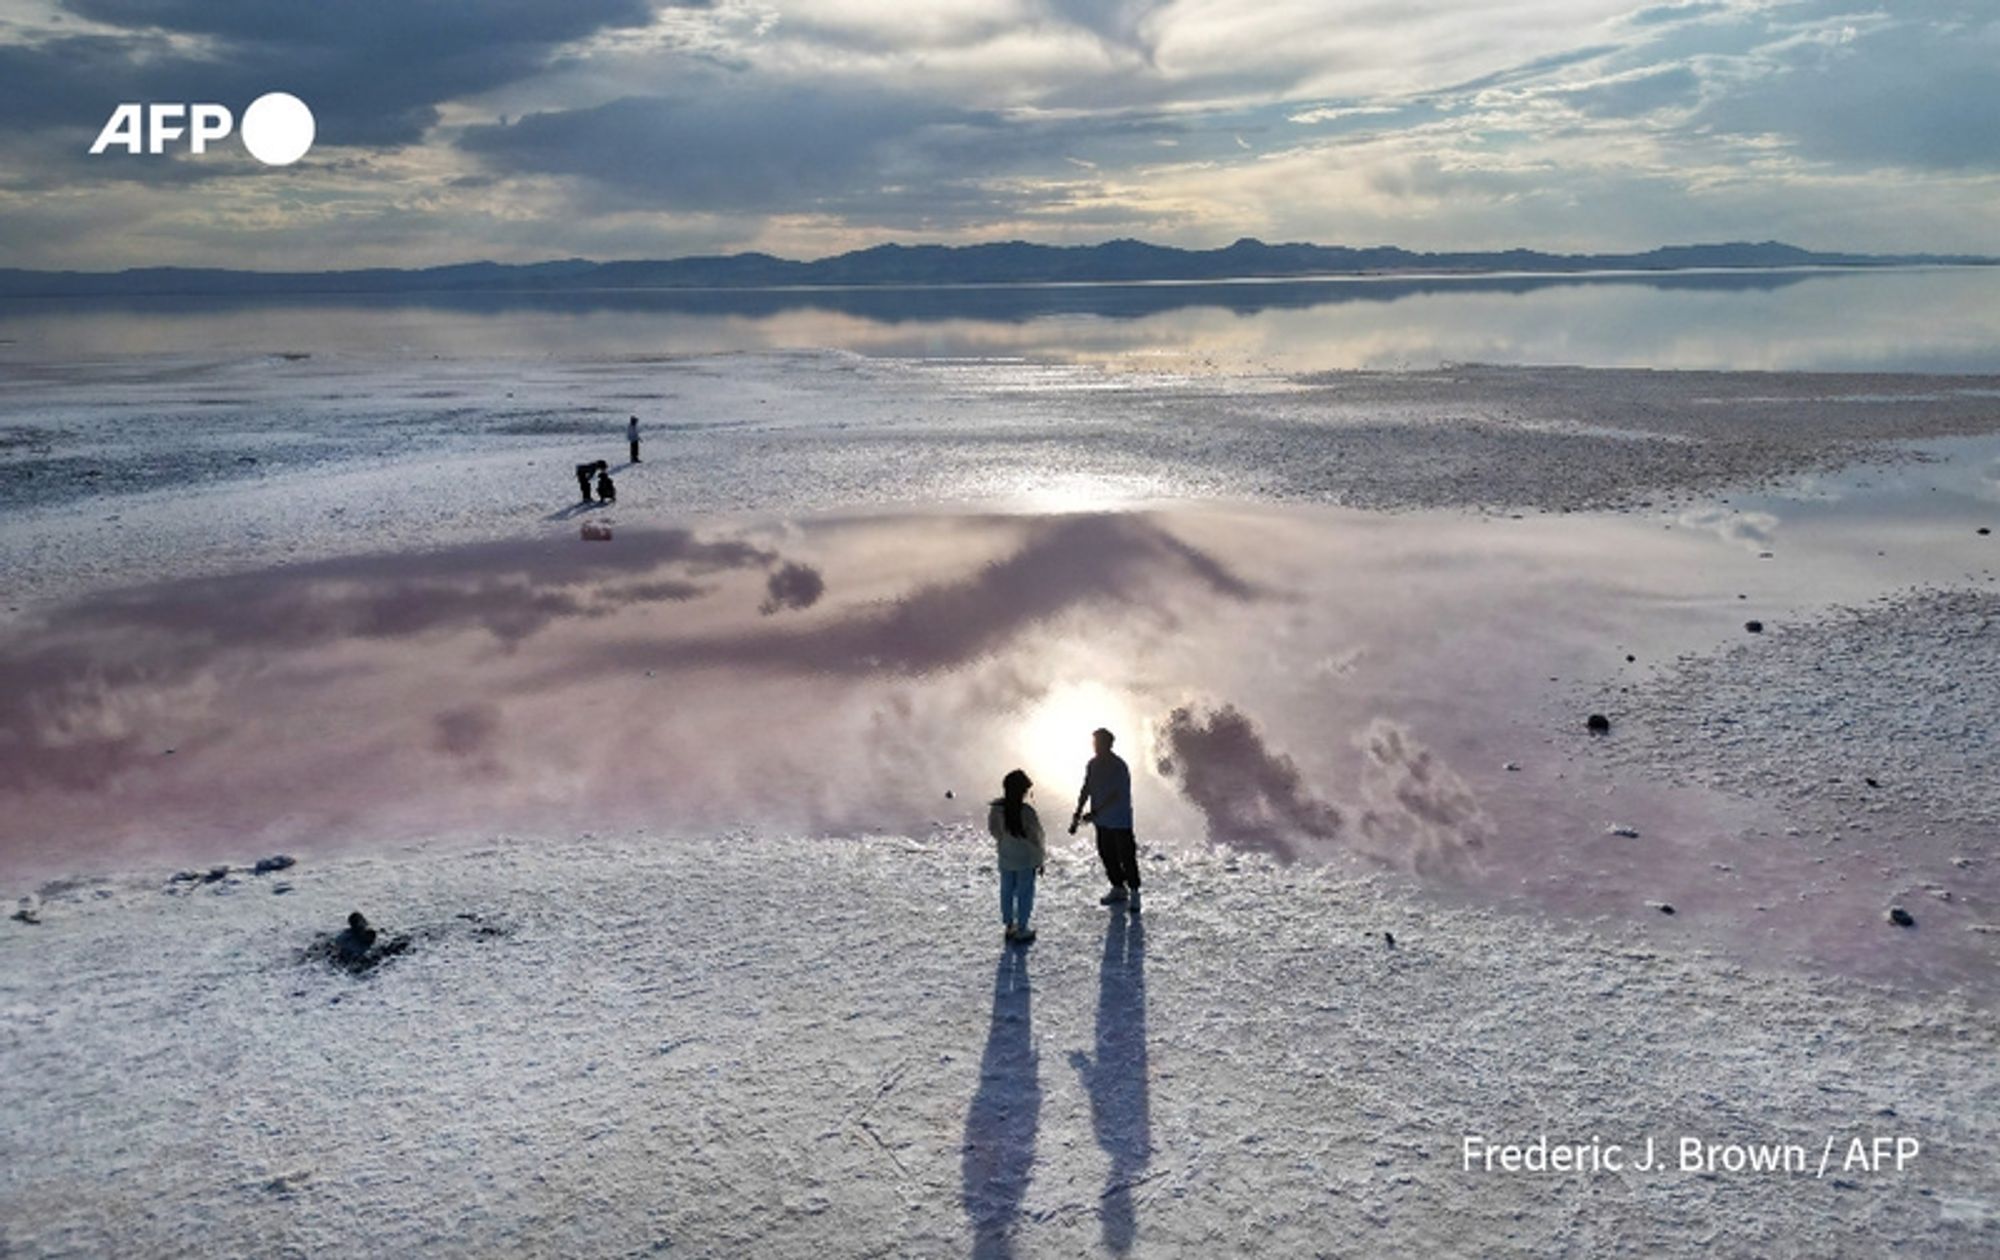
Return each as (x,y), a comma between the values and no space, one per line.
(1011,933)
(1026,936)
(1133,905)
(1114,897)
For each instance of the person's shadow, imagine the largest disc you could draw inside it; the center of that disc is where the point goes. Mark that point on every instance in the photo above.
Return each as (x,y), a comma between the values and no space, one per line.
(574,510)
(1120,1101)
(999,1151)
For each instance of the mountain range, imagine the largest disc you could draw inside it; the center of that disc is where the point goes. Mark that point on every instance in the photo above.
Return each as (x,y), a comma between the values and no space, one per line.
(999,263)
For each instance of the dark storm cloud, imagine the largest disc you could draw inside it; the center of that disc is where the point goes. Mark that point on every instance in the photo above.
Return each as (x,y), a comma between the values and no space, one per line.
(731,148)
(736,143)
(374,71)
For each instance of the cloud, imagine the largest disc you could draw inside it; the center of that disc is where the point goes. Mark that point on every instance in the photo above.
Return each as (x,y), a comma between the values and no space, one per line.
(1251,796)
(1420,813)
(792,586)
(627,128)
(725,143)
(467,731)
(1630,95)
(1906,94)
(374,71)
(1064,564)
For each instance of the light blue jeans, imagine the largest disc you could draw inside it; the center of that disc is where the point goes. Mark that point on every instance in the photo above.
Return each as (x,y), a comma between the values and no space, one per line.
(1017,896)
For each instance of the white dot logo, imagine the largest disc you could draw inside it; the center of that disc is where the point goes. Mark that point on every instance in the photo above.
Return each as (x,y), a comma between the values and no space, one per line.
(277,129)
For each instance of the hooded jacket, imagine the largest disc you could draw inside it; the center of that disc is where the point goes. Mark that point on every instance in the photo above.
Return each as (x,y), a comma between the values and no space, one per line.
(1017,853)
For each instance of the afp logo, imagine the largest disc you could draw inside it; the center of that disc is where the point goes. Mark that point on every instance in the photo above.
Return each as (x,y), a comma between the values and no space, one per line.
(277,128)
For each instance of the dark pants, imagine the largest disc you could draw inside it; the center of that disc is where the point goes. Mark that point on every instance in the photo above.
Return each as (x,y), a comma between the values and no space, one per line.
(635,450)
(583,484)
(1121,855)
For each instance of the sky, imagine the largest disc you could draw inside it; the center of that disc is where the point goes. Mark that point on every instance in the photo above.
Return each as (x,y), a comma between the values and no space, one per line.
(519,130)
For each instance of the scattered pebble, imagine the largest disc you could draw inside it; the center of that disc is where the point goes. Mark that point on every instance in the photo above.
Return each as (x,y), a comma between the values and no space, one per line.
(276,862)
(1901,917)
(1597,724)
(1628,833)
(1754,627)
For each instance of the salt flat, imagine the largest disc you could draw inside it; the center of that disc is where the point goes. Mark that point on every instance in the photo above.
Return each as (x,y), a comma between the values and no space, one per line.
(787,1047)
(683,823)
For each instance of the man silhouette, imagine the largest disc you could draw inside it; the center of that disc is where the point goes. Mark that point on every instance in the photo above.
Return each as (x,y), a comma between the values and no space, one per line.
(632,436)
(1107,791)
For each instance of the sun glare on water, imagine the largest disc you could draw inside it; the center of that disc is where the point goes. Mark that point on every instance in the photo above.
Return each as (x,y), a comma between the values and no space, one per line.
(1053,742)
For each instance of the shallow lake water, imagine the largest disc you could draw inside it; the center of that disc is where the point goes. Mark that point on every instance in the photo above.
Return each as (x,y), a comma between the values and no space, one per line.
(1916,319)
(1391,691)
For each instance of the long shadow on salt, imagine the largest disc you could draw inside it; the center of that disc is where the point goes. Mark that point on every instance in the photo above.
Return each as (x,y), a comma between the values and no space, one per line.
(998,1158)
(1115,1076)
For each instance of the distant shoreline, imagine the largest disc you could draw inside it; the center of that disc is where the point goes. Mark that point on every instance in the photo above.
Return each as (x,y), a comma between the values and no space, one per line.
(1356,277)
(1010,265)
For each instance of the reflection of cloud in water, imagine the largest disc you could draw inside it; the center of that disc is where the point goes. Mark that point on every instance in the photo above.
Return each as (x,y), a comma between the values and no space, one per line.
(1251,796)
(468,731)
(1338,664)
(793,585)
(77,695)
(511,591)
(1112,562)
(77,730)
(1751,530)
(1419,813)
(667,591)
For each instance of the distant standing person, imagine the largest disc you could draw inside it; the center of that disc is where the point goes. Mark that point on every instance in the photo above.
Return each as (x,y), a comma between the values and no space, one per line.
(632,436)
(1107,791)
(1017,832)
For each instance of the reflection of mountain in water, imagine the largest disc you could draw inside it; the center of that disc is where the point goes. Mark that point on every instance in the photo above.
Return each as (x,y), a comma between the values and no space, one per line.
(928,304)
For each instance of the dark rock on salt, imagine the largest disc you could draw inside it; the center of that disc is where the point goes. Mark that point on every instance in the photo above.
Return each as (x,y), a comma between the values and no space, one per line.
(1597,724)
(356,941)
(215,873)
(358,948)
(276,862)
(1754,627)
(1901,917)
(1389,939)
(1982,531)
(1871,783)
